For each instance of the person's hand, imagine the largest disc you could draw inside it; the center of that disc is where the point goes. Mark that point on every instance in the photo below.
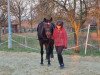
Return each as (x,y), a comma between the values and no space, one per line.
(65,47)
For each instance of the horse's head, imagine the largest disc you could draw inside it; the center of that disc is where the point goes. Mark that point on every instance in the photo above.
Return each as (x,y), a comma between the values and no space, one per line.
(48,27)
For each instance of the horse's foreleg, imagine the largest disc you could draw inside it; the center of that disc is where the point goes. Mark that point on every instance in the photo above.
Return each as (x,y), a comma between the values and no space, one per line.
(48,55)
(51,53)
(51,48)
(42,52)
(42,56)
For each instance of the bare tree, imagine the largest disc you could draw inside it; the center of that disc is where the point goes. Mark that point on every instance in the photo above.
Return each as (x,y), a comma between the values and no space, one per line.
(95,12)
(31,15)
(44,9)
(18,9)
(74,14)
(3,11)
(3,16)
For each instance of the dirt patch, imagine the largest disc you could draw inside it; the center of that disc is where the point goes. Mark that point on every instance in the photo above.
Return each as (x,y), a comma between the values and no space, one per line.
(22,63)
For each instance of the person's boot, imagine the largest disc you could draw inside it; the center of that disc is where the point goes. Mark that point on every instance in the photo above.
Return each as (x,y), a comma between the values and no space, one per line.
(61,66)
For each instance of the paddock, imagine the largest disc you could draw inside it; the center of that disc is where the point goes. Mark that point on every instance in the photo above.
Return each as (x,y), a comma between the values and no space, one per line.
(24,63)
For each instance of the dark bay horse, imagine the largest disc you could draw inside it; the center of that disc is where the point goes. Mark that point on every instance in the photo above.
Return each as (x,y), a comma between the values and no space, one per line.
(44,32)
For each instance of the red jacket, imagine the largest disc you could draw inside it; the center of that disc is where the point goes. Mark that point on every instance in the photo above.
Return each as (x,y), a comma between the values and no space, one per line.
(60,37)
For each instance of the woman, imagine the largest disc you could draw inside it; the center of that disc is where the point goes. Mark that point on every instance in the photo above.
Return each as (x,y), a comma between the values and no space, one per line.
(60,41)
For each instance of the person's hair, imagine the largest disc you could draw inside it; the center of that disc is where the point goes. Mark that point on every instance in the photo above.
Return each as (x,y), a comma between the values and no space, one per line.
(60,23)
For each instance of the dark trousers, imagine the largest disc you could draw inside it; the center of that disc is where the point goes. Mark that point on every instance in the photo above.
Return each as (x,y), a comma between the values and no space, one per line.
(59,50)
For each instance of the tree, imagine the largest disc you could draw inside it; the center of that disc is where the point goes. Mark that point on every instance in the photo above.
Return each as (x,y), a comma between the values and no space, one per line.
(3,15)
(44,9)
(19,10)
(76,19)
(31,15)
(96,13)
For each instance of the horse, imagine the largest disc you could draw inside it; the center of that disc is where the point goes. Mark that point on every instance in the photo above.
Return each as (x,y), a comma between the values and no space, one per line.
(44,33)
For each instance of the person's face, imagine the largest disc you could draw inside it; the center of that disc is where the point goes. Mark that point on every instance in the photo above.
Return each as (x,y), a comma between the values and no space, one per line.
(58,26)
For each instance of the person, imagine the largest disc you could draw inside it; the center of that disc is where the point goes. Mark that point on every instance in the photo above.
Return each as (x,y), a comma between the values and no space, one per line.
(60,41)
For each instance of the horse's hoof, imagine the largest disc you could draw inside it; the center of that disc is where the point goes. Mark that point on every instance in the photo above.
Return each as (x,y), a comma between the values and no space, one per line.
(49,65)
(41,64)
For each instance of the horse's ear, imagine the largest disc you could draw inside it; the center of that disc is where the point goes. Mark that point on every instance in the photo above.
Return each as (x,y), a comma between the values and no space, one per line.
(51,19)
(44,19)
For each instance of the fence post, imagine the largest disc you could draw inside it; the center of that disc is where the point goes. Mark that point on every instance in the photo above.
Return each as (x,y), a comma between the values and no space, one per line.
(87,38)
(9,26)
(25,41)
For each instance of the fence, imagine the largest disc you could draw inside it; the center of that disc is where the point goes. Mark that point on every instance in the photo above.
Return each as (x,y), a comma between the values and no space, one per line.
(29,42)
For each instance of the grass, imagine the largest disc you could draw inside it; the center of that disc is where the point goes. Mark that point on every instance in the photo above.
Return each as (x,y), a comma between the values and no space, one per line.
(19,44)
(33,43)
